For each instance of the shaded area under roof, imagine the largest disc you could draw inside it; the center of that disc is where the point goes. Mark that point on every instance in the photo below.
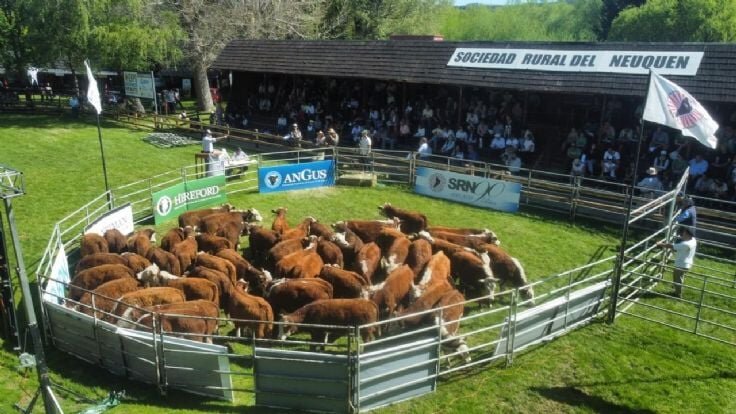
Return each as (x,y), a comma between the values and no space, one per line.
(426,62)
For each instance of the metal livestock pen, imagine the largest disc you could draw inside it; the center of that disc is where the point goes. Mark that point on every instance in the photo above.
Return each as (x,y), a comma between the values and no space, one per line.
(400,364)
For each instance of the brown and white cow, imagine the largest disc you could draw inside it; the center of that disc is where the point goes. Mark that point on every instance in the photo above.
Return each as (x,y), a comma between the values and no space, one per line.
(300,231)
(420,252)
(330,252)
(394,247)
(141,241)
(193,218)
(251,312)
(104,297)
(345,284)
(367,230)
(90,279)
(165,260)
(224,284)
(230,225)
(192,287)
(337,312)
(321,230)
(436,273)
(470,240)
(260,241)
(92,243)
(217,263)
(212,244)
(411,221)
(285,248)
(172,237)
(116,241)
(508,269)
(257,279)
(97,259)
(301,264)
(280,224)
(288,295)
(144,298)
(394,292)
(350,244)
(186,250)
(368,261)
(195,320)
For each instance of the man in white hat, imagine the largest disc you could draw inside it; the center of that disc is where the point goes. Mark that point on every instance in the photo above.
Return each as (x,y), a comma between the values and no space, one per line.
(208,142)
(650,186)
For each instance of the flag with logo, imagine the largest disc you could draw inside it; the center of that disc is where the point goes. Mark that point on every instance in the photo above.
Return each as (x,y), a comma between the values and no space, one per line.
(670,105)
(93,94)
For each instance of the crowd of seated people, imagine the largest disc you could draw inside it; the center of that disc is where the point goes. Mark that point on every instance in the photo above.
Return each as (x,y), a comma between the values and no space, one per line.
(607,154)
(453,129)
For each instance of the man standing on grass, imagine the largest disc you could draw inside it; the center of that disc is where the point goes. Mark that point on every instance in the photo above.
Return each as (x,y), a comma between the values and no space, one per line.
(684,248)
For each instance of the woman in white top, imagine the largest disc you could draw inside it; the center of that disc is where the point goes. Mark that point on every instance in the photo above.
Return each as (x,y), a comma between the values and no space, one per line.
(684,249)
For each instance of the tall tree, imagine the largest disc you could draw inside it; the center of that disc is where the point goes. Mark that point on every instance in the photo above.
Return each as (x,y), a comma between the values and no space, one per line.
(20,44)
(611,10)
(210,25)
(551,21)
(677,21)
(378,19)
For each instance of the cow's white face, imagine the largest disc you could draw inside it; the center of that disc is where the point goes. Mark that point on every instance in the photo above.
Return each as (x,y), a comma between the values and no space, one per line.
(339,239)
(255,215)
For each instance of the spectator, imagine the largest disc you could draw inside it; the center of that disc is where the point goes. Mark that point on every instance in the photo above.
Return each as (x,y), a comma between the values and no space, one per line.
(650,186)
(719,189)
(365,143)
(320,139)
(208,142)
(294,137)
(684,248)
(703,185)
(513,163)
(282,125)
(662,163)
(449,147)
(611,161)
(660,141)
(74,105)
(577,171)
(527,146)
(687,215)
(332,138)
(424,151)
(698,168)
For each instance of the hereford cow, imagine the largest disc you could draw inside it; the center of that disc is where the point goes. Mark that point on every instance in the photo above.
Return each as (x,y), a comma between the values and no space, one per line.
(300,231)
(345,284)
(260,241)
(186,250)
(474,272)
(459,230)
(116,241)
(340,312)
(411,221)
(165,260)
(217,263)
(97,259)
(470,240)
(90,279)
(141,241)
(135,261)
(229,225)
(420,251)
(394,292)
(330,252)
(367,230)
(288,295)
(195,320)
(321,230)
(224,284)
(192,287)
(350,244)
(212,244)
(257,279)
(193,218)
(394,247)
(302,264)
(92,243)
(417,313)
(172,238)
(285,248)
(452,304)
(508,269)
(104,297)
(245,310)
(368,261)
(144,298)
(280,224)
(436,273)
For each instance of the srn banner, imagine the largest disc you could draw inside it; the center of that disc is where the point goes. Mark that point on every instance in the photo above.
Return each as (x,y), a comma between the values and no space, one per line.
(468,189)
(172,201)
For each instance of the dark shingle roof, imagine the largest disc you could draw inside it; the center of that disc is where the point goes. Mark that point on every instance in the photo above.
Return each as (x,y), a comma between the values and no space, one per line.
(426,62)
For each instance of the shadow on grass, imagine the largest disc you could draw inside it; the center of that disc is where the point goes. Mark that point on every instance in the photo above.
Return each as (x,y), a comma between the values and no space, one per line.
(575,397)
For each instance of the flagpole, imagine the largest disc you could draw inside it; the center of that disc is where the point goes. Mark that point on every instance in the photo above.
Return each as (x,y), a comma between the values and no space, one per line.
(629,204)
(102,153)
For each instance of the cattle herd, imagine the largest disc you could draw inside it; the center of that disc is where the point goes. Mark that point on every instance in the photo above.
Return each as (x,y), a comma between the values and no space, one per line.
(350,273)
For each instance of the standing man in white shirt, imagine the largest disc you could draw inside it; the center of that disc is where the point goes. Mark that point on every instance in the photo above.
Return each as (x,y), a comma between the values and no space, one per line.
(208,142)
(684,249)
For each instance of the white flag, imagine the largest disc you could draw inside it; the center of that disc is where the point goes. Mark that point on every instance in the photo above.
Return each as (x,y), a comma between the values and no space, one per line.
(93,94)
(670,105)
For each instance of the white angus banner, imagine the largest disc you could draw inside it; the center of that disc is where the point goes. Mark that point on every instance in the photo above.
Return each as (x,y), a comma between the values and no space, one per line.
(120,218)
(607,61)
(477,191)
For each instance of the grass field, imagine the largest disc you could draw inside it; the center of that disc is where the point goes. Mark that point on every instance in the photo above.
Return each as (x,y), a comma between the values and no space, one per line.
(631,366)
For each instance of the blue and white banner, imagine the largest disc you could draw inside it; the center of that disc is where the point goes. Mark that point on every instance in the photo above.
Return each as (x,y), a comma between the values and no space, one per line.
(55,290)
(296,176)
(476,191)
(120,218)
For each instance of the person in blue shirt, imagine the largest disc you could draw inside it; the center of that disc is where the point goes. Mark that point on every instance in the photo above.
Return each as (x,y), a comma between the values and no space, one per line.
(687,215)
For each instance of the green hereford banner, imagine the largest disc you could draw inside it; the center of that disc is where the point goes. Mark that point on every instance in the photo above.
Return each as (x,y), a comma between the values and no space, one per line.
(171,202)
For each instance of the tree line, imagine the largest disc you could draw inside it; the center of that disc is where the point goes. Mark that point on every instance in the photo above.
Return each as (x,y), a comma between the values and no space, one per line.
(143,35)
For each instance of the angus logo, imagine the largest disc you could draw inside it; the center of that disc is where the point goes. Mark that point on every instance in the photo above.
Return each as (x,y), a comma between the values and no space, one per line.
(273,179)
(684,112)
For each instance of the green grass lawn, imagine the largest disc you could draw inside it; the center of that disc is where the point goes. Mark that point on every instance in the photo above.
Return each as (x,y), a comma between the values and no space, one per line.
(631,366)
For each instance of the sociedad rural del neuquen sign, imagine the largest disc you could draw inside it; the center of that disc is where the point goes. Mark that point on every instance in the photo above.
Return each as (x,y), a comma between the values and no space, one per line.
(607,61)
(172,201)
